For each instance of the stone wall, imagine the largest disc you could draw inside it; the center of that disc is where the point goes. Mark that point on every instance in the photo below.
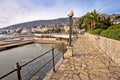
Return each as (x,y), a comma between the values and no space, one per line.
(109,46)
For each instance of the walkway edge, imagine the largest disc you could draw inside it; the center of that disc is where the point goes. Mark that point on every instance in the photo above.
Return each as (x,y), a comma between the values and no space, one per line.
(47,77)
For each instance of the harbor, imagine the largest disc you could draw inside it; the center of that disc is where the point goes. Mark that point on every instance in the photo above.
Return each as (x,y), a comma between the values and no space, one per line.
(7,43)
(23,54)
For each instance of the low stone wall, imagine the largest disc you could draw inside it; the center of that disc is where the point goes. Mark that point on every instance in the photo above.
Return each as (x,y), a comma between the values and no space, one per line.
(109,46)
(50,41)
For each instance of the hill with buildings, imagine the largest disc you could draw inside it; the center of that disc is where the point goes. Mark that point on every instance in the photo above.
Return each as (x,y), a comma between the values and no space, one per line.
(38,26)
(41,23)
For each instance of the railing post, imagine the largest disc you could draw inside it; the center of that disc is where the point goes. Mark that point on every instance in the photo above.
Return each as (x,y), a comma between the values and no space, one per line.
(53,58)
(18,71)
(63,50)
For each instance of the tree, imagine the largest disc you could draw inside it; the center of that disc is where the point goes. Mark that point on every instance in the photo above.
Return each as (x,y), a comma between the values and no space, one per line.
(93,20)
(79,23)
(104,22)
(93,17)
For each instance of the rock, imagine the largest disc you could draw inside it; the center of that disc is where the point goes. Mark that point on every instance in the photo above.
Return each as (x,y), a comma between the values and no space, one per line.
(98,72)
(65,75)
(62,65)
(77,67)
(70,76)
(62,78)
(76,77)
(113,79)
(93,77)
(84,77)
(82,72)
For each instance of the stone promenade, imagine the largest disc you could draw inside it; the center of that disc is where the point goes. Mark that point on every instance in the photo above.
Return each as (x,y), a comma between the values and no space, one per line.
(87,63)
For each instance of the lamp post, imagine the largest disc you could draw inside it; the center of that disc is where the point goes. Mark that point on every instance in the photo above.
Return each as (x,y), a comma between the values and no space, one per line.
(70,14)
(69,52)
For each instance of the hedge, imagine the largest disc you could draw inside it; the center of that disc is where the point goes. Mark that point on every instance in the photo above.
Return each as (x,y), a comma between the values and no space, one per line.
(113,34)
(96,31)
(114,27)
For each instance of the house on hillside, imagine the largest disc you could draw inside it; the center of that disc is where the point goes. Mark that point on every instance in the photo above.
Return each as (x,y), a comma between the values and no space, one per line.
(115,18)
(38,29)
(66,28)
(26,31)
(116,22)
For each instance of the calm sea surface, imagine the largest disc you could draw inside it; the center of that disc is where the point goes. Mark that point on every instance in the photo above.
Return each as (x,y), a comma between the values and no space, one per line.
(22,54)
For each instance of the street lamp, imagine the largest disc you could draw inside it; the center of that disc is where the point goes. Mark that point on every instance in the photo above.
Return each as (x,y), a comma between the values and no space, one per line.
(70,14)
(69,52)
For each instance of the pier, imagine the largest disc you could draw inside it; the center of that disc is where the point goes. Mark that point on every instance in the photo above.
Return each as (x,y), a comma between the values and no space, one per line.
(10,44)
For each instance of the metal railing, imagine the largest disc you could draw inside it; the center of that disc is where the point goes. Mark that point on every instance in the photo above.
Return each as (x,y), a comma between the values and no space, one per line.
(19,67)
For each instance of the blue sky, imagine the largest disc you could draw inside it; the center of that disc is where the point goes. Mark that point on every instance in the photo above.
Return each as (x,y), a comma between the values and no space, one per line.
(18,11)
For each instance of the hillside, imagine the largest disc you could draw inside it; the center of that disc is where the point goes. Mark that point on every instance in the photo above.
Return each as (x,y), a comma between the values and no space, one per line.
(60,21)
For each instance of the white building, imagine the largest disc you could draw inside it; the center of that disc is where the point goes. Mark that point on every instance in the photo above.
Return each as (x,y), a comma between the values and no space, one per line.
(66,28)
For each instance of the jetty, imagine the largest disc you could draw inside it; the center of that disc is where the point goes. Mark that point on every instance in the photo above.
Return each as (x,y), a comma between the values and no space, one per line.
(10,44)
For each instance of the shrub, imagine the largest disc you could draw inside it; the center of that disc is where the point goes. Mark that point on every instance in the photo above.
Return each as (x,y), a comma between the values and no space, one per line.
(104,33)
(96,31)
(59,47)
(114,27)
(113,34)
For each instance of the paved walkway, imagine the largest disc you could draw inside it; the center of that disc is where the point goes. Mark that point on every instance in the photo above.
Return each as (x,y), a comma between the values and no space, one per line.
(88,63)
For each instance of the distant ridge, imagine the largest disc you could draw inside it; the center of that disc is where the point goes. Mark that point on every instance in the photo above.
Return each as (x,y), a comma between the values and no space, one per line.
(37,23)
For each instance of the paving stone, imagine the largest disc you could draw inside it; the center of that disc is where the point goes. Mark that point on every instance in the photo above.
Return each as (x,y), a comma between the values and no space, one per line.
(113,79)
(61,69)
(68,68)
(98,72)
(53,79)
(77,67)
(93,77)
(62,78)
(76,77)
(112,75)
(70,76)
(84,77)
(100,65)
(62,65)
(83,65)
(104,78)
(65,74)
(82,72)
(76,72)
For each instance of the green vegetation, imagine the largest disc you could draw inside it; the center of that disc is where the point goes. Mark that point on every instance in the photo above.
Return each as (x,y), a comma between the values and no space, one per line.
(57,30)
(60,47)
(114,27)
(96,31)
(99,24)
(93,20)
(113,34)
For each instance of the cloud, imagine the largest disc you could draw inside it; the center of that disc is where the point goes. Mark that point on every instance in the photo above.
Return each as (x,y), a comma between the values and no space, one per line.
(18,11)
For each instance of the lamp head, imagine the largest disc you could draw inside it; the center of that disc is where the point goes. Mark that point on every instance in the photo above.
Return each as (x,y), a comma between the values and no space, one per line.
(71,13)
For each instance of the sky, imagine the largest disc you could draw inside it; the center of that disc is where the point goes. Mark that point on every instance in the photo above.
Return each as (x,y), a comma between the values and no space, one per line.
(19,11)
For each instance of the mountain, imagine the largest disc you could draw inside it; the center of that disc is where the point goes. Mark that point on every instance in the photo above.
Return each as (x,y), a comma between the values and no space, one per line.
(30,24)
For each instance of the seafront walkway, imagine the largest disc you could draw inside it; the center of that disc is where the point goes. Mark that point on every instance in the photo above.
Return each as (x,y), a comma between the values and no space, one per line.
(87,63)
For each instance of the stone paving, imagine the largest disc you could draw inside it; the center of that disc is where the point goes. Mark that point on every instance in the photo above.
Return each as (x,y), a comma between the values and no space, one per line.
(87,63)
